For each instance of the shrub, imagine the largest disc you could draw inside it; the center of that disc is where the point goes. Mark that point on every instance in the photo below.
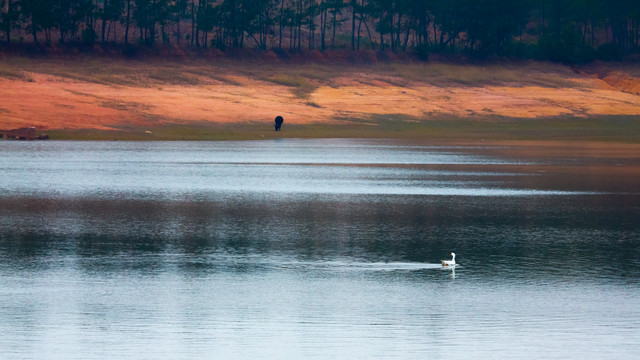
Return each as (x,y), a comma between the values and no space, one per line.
(89,36)
(609,52)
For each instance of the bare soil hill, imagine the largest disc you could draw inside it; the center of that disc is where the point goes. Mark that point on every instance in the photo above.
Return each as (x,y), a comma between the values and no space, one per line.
(115,95)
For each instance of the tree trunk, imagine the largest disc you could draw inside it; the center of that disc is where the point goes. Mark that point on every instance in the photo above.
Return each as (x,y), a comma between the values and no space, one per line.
(193,21)
(104,18)
(353,24)
(152,34)
(61,34)
(178,35)
(406,39)
(164,34)
(359,28)
(33,30)
(368,33)
(435,33)
(7,28)
(323,28)
(291,36)
(333,30)
(309,45)
(381,37)
(280,24)
(126,30)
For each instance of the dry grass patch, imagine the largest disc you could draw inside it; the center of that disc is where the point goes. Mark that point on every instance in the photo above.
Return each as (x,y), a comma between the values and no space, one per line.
(11,72)
(301,86)
(439,74)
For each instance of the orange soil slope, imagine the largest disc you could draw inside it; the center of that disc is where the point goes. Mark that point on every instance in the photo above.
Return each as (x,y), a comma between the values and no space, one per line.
(55,102)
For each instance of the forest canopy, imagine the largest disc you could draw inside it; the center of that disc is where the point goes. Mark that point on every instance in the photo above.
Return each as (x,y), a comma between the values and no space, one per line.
(557,30)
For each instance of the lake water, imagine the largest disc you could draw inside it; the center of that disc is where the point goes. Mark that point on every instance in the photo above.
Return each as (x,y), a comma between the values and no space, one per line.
(325,249)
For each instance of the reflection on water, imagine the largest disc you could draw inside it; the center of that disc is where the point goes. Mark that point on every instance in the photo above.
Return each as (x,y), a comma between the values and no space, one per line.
(315,249)
(202,171)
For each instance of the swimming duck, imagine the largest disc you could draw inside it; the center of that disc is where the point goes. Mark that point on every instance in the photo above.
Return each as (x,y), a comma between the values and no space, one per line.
(451,262)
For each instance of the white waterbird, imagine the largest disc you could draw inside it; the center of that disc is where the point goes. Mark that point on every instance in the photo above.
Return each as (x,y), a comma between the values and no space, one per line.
(451,262)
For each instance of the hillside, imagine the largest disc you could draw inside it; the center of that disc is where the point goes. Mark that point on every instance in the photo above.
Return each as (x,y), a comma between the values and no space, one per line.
(207,99)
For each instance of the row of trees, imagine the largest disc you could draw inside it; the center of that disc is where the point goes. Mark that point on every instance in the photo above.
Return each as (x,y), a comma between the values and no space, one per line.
(561,28)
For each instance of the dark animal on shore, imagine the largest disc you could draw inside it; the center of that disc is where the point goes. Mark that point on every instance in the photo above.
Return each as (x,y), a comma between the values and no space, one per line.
(279,121)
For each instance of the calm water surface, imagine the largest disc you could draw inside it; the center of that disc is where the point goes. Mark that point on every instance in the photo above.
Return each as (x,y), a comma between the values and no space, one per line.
(324,249)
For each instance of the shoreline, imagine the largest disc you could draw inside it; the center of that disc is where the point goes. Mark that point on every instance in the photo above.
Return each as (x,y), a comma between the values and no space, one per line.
(601,130)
